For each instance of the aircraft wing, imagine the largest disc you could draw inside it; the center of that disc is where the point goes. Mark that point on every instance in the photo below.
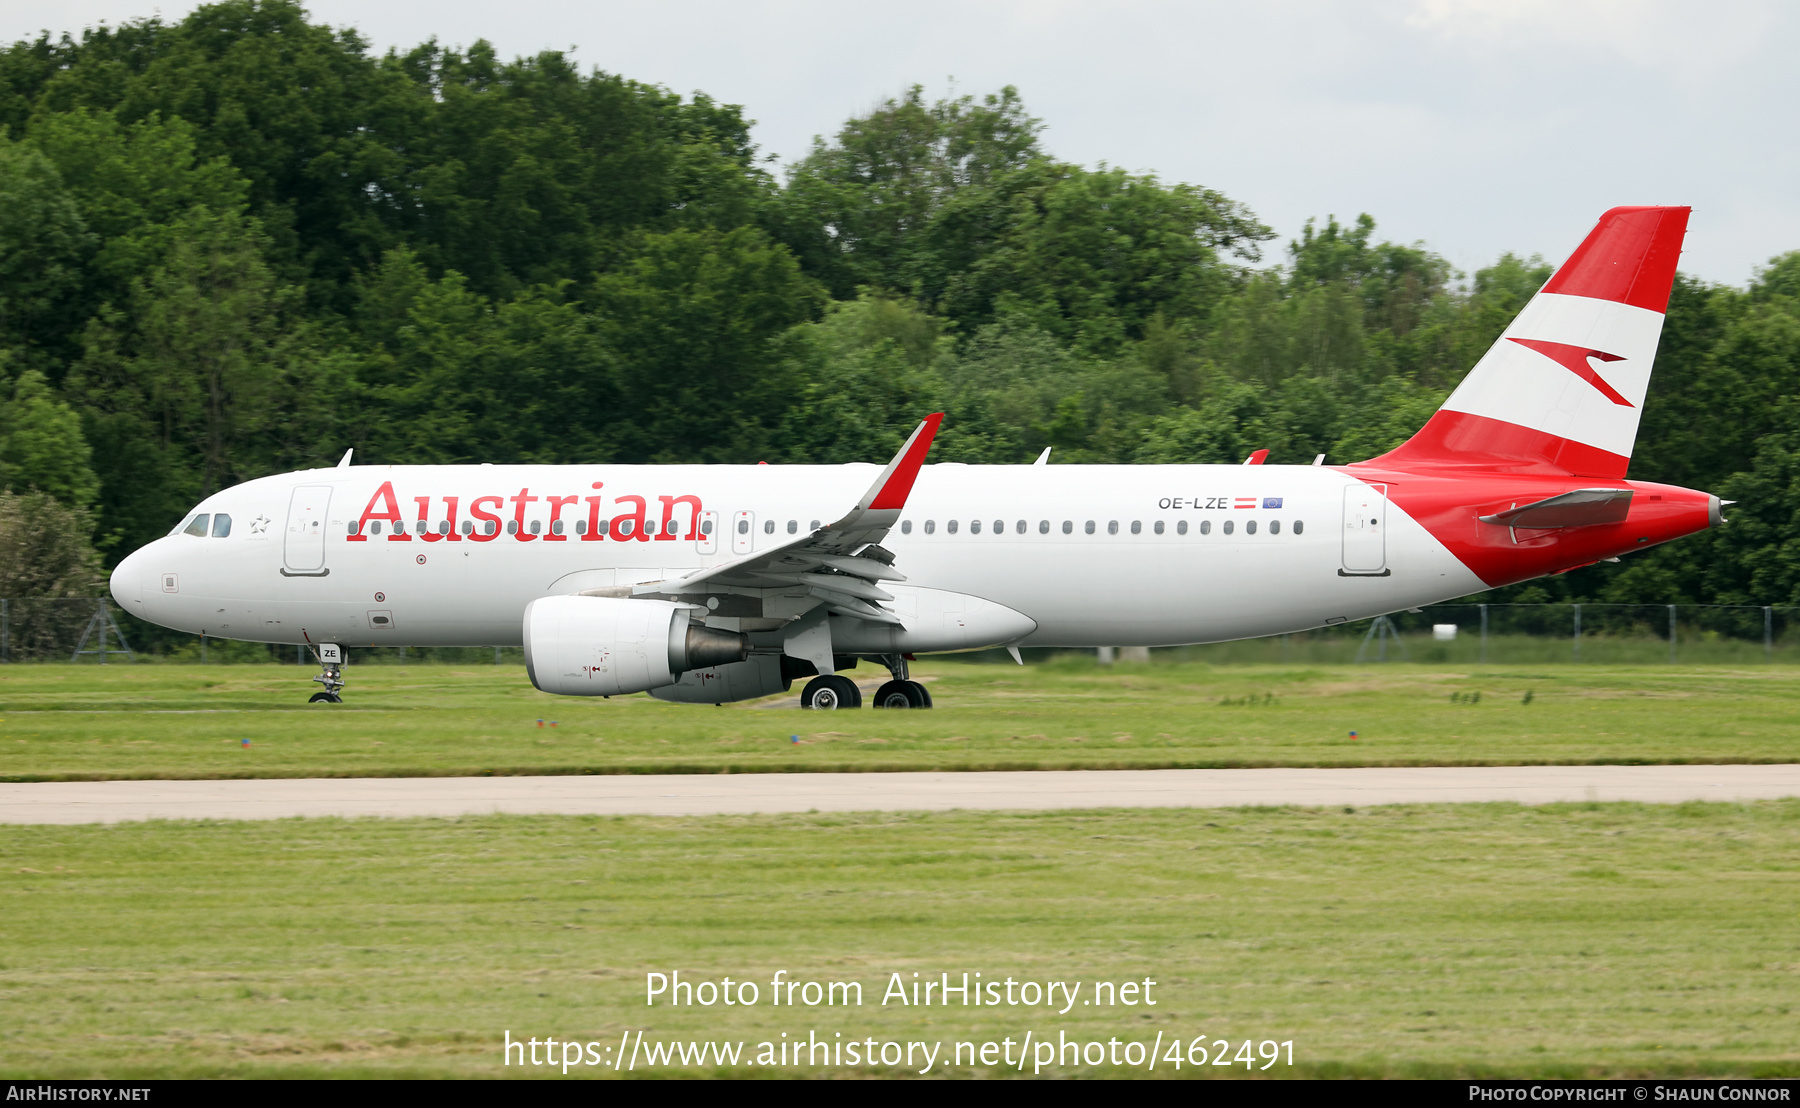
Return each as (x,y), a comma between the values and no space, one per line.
(1581,508)
(841,564)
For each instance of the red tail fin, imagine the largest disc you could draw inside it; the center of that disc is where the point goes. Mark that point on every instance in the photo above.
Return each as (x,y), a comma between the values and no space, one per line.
(1562,389)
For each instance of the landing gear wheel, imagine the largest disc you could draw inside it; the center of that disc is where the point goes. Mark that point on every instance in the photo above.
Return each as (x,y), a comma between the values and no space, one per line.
(830,692)
(902,694)
(325,698)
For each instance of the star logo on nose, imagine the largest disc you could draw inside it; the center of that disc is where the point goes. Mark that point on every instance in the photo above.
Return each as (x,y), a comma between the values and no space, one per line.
(259,525)
(1575,360)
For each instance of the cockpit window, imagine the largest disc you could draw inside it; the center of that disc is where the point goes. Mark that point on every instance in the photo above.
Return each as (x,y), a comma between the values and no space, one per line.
(197,525)
(221,526)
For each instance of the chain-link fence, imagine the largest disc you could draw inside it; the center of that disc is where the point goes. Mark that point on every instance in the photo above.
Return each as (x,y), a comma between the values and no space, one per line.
(1473,634)
(94,631)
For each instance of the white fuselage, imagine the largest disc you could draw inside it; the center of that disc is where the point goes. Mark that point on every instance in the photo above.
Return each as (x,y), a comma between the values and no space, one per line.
(1103,558)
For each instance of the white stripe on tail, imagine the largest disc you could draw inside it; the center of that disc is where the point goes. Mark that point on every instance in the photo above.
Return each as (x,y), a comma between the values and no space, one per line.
(1562,390)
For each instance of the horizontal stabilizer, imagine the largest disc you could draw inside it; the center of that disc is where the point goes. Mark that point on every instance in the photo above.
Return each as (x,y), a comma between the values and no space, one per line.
(1581,508)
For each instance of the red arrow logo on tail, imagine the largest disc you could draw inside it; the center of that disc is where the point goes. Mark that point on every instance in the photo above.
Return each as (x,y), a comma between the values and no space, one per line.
(1575,360)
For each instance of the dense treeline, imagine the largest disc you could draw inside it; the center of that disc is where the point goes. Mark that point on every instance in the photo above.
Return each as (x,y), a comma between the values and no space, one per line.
(243,243)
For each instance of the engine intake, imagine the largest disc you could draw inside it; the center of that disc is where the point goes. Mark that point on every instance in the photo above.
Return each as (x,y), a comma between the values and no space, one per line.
(608,646)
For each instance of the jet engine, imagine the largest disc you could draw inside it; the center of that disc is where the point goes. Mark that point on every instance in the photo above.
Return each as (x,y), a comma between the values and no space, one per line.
(606,646)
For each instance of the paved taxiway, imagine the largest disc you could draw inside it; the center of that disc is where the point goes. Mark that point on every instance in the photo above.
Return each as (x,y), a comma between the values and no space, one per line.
(717,794)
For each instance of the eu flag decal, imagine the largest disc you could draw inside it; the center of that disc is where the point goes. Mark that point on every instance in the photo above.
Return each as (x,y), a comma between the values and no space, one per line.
(1271,501)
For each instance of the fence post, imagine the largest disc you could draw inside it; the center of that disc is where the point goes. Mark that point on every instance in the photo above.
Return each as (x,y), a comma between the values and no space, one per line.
(1671,634)
(1578,632)
(1768,632)
(5,628)
(1484,634)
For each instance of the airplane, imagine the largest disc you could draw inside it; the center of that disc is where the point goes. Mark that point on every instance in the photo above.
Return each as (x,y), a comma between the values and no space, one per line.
(715,583)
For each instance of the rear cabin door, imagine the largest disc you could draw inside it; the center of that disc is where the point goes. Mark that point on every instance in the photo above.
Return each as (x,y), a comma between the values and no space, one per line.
(1365,530)
(707,541)
(304,549)
(743,524)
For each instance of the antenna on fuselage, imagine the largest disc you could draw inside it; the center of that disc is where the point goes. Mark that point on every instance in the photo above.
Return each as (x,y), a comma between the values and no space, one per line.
(1043,460)
(344,462)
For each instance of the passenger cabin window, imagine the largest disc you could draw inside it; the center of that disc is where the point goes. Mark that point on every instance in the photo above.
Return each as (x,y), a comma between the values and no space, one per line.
(1206,527)
(1137,528)
(1299,527)
(197,527)
(375,527)
(1043,527)
(490,527)
(1112,526)
(1181,527)
(905,527)
(1159,526)
(974,526)
(221,526)
(1250,527)
(768,527)
(512,526)
(930,526)
(1089,527)
(950,527)
(536,526)
(1274,527)
(999,527)
(814,526)
(1068,527)
(1228,527)
(556,527)
(794,526)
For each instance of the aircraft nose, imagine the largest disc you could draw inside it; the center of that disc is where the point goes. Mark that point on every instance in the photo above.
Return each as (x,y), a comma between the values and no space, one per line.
(127,583)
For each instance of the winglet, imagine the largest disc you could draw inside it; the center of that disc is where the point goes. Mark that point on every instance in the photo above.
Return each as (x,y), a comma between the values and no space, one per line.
(891,489)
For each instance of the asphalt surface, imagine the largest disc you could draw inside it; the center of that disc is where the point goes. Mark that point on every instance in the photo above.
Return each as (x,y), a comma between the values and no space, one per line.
(720,794)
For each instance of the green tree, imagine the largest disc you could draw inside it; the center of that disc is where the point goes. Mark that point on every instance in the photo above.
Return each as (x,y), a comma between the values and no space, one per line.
(43,245)
(693,318)
(41,444)
(45,550)
(181,385)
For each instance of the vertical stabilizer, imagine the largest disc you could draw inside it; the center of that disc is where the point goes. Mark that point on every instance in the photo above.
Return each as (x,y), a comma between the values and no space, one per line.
(1562,390)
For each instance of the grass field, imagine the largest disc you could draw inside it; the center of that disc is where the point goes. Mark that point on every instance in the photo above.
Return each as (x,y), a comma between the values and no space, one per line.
(1598,939)
(85,722)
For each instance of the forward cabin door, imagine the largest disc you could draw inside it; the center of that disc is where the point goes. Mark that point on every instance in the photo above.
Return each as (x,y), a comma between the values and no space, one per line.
(303,553)
(743,524)
(1365,531)
(707,540)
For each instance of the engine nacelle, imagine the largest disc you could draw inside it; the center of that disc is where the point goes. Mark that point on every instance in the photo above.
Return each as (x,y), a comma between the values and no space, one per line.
(757,675)
(606,646)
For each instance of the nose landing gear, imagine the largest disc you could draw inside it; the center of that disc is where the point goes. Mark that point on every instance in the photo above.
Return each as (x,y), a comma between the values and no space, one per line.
(331,663)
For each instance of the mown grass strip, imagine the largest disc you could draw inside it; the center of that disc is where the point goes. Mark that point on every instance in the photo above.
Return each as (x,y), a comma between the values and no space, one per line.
(1563,940)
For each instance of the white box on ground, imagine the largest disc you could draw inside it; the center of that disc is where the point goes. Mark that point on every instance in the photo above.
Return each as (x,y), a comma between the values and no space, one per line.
(1444,632)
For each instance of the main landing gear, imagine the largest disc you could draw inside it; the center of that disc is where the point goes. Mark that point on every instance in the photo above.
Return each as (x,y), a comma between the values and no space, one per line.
(834,691)
(331,663)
